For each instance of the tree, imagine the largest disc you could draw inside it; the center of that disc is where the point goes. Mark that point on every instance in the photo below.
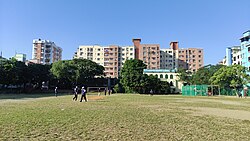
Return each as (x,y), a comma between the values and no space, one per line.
(75,71)
(185,76)
(87,69)
(230,77)
(38,73)
(132,78)
(202,76)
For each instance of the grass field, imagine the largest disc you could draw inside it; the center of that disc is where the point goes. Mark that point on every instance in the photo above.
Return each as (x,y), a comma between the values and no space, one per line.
(124,117)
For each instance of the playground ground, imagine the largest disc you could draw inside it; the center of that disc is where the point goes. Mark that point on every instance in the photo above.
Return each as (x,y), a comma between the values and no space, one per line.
(124,117)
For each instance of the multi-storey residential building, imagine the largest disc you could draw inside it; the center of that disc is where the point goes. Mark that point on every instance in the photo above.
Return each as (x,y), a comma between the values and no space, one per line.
(20,57)
(245,50)
(191,59)
(110,57)
(148,53)
(173,58)
(46,52)
(233,56)
(169,57)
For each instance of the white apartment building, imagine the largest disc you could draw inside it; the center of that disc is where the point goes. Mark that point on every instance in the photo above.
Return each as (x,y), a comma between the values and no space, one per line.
(110,57)
(167,59)
(174,58)
(46,51)
(233,56)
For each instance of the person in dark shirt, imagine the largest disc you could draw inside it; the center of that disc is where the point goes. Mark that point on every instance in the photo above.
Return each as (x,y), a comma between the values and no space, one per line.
(76,93)
(83,94)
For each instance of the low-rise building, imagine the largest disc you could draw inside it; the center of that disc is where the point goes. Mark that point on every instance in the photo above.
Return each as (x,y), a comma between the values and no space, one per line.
(20,57)
(171,76)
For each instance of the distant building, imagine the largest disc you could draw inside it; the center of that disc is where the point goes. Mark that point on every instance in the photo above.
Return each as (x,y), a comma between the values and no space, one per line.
(245,50)
(110,57)
(233,56)
(148,53)
(113,57)
(171,76)
(187,58)
(46,52)
(20,57)
(169,57)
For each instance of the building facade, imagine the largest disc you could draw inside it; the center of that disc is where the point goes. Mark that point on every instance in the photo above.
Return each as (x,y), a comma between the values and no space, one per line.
(174,58)
(20,57)
(46,52)
(110,57)
(169,57)
(148,53)
(233,56)
(245,50)
(167,75)
(191,59)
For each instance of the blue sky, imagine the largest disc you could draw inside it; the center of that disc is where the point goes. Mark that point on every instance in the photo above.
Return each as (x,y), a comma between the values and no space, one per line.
(209,24)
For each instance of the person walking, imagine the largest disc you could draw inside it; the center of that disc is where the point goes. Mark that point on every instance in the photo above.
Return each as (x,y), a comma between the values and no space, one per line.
(151,92)
(99,91)
(105,91)
(76,93)
(56,91)
(83,94)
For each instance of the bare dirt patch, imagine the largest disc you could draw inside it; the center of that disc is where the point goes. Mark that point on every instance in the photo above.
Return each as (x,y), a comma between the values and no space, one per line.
(235,114)
(95,97)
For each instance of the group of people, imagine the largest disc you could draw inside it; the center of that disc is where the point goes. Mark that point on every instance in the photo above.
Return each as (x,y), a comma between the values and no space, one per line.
(105,91)
(83,91)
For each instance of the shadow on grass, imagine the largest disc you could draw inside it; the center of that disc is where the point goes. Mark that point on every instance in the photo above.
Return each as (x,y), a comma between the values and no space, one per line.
(22,96)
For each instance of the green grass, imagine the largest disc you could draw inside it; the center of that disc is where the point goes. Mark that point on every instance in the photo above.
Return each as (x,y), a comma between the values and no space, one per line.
(121,117)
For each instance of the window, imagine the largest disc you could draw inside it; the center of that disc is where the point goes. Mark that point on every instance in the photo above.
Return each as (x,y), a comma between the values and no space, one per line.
(98,58)
(171,76)
(156,75)
(166,76)
(98,54)
(131,49)
(199,56)
(131,53)
(161,76)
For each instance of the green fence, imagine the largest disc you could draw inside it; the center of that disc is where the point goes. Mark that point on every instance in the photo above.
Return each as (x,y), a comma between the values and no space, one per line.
(204,90)
(195,90)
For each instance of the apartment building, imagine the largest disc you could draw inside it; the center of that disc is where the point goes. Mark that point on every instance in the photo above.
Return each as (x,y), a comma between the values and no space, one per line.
(233,56)
(46,52)
(174,58)
(148,53)
(110,57)
(245,50)
(191,59)
(20,57)
(169,57)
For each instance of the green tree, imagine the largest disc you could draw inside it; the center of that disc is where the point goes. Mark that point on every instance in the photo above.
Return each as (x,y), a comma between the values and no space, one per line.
(185,76)
(230,77)
(203,75)
(87,69)
(132,78)
(76,71)
(38,73)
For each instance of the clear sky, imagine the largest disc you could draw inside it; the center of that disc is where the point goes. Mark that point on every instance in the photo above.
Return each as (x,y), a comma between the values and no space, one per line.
(209,24)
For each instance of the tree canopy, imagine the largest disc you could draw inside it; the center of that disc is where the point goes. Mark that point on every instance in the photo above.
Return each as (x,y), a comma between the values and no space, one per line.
(231,76)
(76,71)
(133,80)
